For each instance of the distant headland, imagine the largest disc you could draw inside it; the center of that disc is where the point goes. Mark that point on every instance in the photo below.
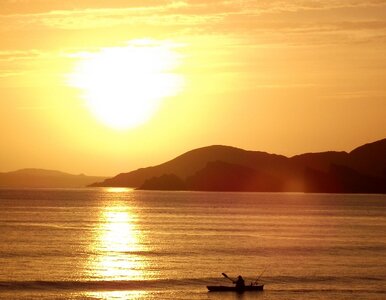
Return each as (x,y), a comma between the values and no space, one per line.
(225,168)
(40,178)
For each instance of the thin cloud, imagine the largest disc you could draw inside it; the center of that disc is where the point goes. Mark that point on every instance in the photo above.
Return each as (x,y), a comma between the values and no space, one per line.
(297,22)
(19,55)
(11,73)
(230,15)
(94,18)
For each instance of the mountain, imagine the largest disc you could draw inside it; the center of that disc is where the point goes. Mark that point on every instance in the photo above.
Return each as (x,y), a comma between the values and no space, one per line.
(166,182)
(223,176)
(190,162)
(370,159)
(225,168)
(38,178)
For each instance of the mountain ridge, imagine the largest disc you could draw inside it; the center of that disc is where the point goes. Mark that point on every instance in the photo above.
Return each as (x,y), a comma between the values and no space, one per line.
(280,173)
(43,178)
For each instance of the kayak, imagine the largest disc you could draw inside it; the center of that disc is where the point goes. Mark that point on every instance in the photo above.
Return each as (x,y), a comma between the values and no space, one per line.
(223,288)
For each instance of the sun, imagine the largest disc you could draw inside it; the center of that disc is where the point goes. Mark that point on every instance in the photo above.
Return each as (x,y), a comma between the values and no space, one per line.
(124,86)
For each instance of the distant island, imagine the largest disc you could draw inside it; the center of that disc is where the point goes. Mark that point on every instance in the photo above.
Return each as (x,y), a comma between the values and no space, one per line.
(225,168)
(39,178)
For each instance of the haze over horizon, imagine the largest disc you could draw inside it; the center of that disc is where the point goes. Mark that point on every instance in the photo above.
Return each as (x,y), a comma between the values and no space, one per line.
(284,78)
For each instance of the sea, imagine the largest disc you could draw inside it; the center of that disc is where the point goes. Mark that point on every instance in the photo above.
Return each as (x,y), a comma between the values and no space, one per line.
(116,243)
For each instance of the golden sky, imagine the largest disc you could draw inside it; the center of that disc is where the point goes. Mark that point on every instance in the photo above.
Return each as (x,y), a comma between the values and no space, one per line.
(284,77)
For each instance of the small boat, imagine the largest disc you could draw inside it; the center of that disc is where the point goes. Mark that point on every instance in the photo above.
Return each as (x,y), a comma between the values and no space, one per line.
(223,288)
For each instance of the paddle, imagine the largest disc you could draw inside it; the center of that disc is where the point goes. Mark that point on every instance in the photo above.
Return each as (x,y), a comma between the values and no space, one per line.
(261,274)
(226,276)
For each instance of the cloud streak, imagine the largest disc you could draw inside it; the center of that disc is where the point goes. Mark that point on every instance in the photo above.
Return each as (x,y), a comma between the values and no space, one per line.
(184,13)
(246,23)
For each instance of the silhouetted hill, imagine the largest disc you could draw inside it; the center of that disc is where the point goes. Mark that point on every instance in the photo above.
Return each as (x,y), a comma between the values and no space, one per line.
(370,158)
(190,162)
(167,182)
(224,168)
(342,179)
(223,176)
(38,178)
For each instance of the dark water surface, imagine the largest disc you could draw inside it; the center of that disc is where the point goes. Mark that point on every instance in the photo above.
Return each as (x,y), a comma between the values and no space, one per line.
(124,244)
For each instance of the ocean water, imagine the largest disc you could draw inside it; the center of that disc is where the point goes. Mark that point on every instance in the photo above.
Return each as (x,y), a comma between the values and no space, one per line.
(126,244)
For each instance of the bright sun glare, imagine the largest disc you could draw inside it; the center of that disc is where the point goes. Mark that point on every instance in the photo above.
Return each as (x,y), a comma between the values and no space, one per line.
(123,86)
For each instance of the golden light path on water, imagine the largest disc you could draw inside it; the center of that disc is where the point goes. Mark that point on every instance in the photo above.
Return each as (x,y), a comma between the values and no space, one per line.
(118,244)
(118,295)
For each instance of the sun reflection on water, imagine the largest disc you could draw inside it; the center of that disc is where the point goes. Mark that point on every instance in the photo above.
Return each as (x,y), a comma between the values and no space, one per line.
(118,245)
(117,189)
(119,295)
(119,231)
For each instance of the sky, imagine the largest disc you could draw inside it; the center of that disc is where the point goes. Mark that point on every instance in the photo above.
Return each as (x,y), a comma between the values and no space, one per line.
(102,87)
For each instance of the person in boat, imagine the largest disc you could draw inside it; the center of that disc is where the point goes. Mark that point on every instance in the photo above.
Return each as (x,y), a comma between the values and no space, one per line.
(240,283)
